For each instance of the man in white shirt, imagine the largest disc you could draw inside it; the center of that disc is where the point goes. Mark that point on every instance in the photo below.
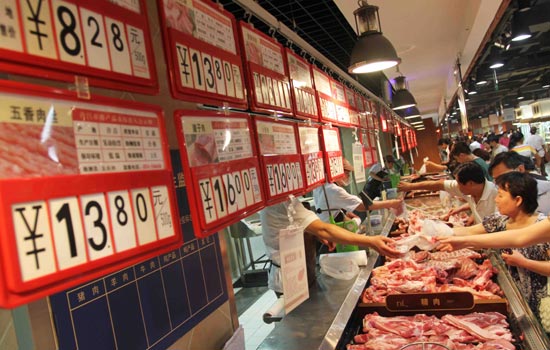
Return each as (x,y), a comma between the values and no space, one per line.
(536,141)
(474,144)
(496,146)
(470,184)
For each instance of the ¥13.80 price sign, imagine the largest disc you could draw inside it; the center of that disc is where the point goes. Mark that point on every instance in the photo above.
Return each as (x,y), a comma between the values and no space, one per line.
(107,41)
(312,156)
(85,189)
(221,168)
(330,138)
(281,162)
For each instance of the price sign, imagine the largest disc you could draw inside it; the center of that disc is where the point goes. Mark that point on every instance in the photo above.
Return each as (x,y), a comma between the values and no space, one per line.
(302,91)
(367,148)
(281,166)
(312,157)
(107,41)
(221,164)
(202,52)
(334,162)
(86,189)
(353,108)
(267,72)
(340,102)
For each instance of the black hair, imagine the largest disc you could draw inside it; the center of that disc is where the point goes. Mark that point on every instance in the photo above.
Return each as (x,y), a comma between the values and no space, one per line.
(460,148)
(443,141)
(515,139)
(492,138)
(469,171)
(511,160)
(522,185)
(483,154)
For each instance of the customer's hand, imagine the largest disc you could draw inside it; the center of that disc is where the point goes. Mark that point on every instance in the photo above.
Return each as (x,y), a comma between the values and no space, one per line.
(384,246)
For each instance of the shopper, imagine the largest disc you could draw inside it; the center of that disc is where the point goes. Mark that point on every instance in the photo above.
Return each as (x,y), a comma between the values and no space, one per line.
(511,161)
(516,209)
(475,143)
(518,145)
(377,176)
(444,151)
(470,184)
(338,198)
(276,217)
(463,154)
(535,140)
(496,147)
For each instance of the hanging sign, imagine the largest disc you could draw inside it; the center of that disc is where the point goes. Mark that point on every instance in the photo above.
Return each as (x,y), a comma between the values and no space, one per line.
(353,109)
(367,148)
(106,41)
(293,266)
(85,189)
(330,138)
(358,161)
(339,98)
(281,162)
(327,107)
(312,156)
(202,52)
(221,166)
(301,83)
(267,73)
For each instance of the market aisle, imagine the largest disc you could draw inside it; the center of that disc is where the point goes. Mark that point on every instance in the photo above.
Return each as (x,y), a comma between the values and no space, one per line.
(255,330)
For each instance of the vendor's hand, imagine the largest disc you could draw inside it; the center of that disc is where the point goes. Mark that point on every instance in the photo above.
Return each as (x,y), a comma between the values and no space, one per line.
(455,242)
(444,247)
(351,215)
(405,186)
(384,246)
(514,259)
(396,203)
(330,245)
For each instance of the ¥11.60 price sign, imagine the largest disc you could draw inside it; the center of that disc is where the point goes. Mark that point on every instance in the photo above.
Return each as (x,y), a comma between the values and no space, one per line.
(281,162)
(86,189)
(107,41)
(202,52)
(330,138)
(312,156)
(221,167)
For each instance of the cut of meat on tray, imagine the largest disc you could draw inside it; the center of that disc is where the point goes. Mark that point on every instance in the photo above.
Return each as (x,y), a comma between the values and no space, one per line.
(475,331)
(25,155)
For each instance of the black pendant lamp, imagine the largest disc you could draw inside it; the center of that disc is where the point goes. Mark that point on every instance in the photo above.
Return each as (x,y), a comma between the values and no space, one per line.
(520,27)
(410,113)
(372,51)
(402,98)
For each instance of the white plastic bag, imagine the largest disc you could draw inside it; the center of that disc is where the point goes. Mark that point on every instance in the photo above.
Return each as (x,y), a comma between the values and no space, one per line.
(432,228)
(338,267)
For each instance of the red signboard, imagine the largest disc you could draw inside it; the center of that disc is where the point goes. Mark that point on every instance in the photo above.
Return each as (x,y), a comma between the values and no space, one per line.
(85,189)
(281,162)
(301,83)
(106,41)
(330,140)
(221,166)
(202,52)
(364,137)
(331,98)
(266,71)
(353,109)
(312,156)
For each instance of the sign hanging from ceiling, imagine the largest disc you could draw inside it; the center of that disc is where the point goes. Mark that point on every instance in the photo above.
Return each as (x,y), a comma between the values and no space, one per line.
(312,156)
(202,52)
(267,72)
(85,189)
(301,82)
(106,41)
(221,166)
(334,162)
(280,159)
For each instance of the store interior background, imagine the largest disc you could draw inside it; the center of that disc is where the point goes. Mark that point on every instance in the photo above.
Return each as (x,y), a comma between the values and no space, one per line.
(430,37)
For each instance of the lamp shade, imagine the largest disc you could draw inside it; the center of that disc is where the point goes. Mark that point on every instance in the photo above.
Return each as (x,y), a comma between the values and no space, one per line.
(411,112)
(402,98)
(520,27)
(372,52)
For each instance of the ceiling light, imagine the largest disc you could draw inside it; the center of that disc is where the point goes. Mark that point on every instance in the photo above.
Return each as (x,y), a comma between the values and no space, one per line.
(372,51)
(524,5)
(520,27)
(472,87)
(411,112)
(497,63)
(520,96)
(402,98)
(546,86)
(479,79)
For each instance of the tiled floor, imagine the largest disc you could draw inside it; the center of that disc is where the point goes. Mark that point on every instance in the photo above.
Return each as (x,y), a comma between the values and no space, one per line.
(255,330)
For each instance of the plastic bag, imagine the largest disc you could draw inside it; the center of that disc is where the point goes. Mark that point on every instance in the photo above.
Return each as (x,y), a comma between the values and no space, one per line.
(338,267)
(544,309)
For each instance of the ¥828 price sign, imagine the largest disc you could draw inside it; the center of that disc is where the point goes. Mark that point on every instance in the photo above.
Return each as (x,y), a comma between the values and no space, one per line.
(202,52)
(281,163)
(107,41)
(89,190)
(334,162)
(312,156)
(221,166)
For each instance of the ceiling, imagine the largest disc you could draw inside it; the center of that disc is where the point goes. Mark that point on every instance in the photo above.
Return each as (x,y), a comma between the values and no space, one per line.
(429,36)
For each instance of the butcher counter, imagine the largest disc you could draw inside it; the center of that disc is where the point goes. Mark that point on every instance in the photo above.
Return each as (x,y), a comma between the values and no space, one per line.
(324,321)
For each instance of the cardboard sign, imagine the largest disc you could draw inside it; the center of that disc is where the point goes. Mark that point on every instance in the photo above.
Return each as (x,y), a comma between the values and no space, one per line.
(312,156)
(202,52)
(293,267)
(423,302)
(358,161)
(281,162)
(221,168)
(85,189)
(334,162)
(266,71)
(302,90)
(107,41)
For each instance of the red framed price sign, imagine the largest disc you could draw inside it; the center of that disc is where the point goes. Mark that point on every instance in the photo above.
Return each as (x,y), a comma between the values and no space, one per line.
(221,164)
(85,189)
(368,158)
(312,156)
(202,52)
(323,90)
(106,41)
(267,72)
(353,109)
(301,83)
(334,162)
(280,159)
